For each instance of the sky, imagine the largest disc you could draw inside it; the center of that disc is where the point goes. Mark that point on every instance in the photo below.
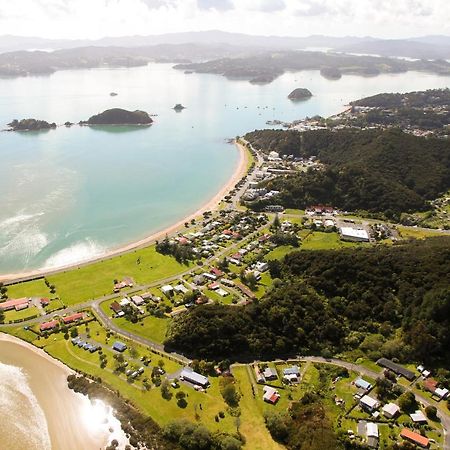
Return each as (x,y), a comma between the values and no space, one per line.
(93,19)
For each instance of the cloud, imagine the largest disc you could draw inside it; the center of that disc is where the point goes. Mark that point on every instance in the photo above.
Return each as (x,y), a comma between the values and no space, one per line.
(220,5)
(309,8)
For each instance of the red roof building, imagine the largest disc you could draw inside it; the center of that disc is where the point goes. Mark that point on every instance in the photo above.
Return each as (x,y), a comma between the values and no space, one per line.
(415,438)
(12,304)
(45,301)
(48,325)
(215,271)
(430,384)
(73,318)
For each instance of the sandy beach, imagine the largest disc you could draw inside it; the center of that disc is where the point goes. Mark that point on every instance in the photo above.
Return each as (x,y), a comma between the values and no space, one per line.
(40,411)
(210,205)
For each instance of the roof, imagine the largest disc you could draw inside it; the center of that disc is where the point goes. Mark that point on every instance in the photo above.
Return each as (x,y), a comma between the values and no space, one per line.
(354,233)
(415,437)
(119,346)
(430,384)
(371,429)
(418,416)
(195,377)
(115,307)
(369,401)
(294,370)
(362,384)
(440,392)
(391,409)
(13,303)
(397,368)
(73,317)
(48,325)
(167,288)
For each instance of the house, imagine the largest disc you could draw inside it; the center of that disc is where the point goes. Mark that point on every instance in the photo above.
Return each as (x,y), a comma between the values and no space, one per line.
(213,286)
(390,410)
(372,434)
(218,273)
(209,276)
(222,292)
(227,282)
(199,280)
(187,374)
(116,308)
(270,373)
(137,300)
(369,404)
(270,395)
(363,384)
(119,347)
(261,266)
(245,290)
(396,368)
(442,393)
(418,417)
(354,235)
(259,376)
(291,374)
(415,438)
(180,289)
(21,306)
(126,282)
(167,290)
(44,302)
(48,325)
(73,318)
(430,385)
(13,304)
(124,302)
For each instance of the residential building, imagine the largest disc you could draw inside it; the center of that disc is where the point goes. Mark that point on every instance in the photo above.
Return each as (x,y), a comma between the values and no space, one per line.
(369,404)
(270,395)
(354,235)
(390,410)
(119,346)
(187,374)
(137,300)
(415,438)
(363,384)
(396,368)
(270,373)
(13,304)
(48,325)
(418,417)
(167,290)
(73,318)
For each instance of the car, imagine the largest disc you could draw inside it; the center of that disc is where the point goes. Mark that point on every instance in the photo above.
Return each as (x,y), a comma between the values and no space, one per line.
(174,385)
(141,370)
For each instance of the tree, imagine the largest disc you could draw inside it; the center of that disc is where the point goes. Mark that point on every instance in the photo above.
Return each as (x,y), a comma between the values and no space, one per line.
(407,402)
(165,389)
(251,281)
(431,412)
(229,392)
(276,224)
(73,332)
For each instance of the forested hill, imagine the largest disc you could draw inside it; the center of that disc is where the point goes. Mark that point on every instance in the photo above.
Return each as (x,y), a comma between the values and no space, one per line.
(386,301)
(378,171)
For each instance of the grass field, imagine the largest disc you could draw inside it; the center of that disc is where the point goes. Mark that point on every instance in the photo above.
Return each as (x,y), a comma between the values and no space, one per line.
(280,252)
(10,316)
(416,233)
(35,288)
(325,241)
(151,327)
(96,280)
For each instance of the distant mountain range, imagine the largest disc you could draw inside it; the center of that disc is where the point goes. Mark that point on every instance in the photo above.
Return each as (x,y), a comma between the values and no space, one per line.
(426,47)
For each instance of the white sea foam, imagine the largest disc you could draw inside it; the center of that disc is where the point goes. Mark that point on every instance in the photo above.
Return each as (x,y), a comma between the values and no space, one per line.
(23,423)
(78,252)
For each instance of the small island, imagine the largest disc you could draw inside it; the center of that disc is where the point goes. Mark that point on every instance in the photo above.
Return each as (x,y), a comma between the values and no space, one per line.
(331,73)
(300,94)
(30,125)
(118,116)
(113,94)
(179,107)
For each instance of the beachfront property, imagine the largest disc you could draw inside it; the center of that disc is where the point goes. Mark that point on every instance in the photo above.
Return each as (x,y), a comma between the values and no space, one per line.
(354,234)
(187,374)
(18,304)
(270,395)
(47,326)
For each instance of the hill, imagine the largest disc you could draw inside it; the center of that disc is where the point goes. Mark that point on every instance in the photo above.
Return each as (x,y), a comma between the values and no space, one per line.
(395,298)
(117,116)
(374,170)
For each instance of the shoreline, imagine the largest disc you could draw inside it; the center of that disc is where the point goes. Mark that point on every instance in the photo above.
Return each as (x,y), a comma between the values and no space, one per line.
(211,205)
(5,337)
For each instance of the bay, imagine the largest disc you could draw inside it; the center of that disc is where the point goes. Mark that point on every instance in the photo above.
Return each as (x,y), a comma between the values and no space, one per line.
(70,194)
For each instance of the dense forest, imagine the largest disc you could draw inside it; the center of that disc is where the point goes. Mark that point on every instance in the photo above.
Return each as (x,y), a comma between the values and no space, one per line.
(374,170)
(391,301)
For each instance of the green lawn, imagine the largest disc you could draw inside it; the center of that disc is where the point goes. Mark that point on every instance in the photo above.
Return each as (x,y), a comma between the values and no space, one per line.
(35,288)
(10,316)
(151,327)
(408,232)
(325,241)
(96,280)
(280,252)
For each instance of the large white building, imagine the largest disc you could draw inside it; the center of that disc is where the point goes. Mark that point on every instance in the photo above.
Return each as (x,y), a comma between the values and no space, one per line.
(354,235)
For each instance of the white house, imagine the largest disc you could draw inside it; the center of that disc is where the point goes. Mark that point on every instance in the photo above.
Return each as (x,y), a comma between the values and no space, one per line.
(167,290)
(369,403)
(270,395)
(418,417)
(137,300)
(390,410)
(354,235)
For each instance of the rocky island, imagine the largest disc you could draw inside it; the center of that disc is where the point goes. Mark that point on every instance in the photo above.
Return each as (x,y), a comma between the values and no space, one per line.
(118,116)
(331,73)
(30,125)
(179,107)
(300,94)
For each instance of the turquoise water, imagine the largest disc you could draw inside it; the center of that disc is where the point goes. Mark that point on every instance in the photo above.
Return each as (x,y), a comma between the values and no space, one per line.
(73,193)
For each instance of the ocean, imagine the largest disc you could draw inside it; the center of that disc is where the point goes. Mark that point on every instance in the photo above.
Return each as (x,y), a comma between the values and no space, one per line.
(71,194)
